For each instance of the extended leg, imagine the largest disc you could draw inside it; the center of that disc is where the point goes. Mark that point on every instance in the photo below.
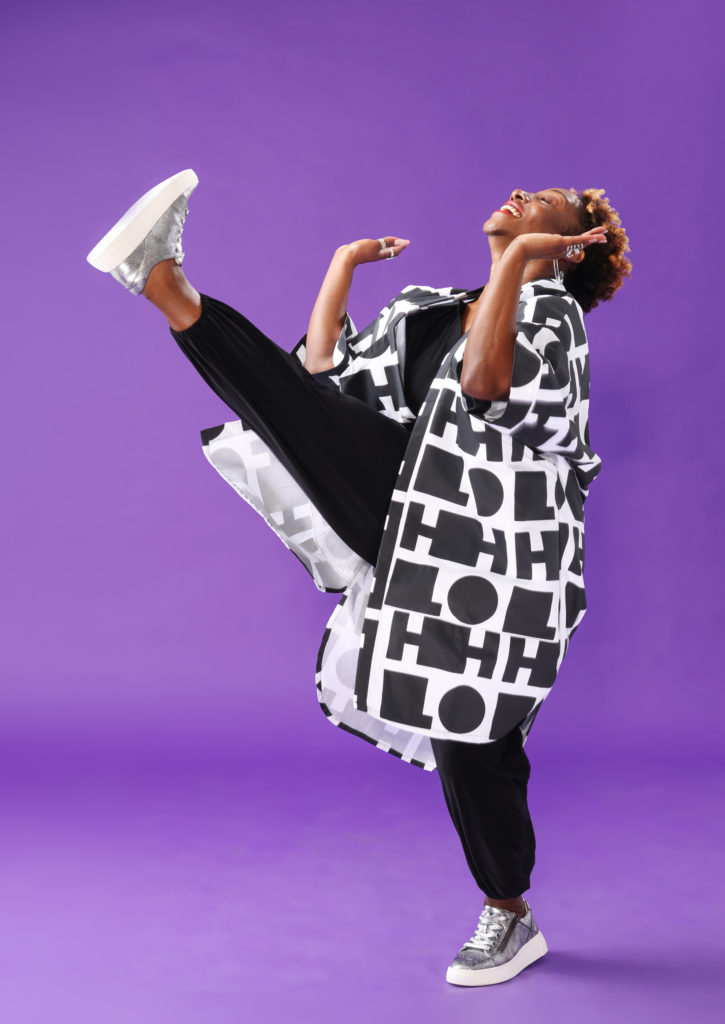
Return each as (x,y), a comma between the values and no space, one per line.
(344,454)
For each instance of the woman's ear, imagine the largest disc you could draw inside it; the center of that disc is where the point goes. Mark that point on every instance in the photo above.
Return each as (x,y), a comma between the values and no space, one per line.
(576,257)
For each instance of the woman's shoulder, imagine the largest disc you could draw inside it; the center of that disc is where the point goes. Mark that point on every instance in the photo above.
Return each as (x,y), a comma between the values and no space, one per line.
(421,296)
(413,290)
(545,295)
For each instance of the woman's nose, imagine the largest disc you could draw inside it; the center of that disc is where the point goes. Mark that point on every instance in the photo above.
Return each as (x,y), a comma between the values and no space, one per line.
(520,194)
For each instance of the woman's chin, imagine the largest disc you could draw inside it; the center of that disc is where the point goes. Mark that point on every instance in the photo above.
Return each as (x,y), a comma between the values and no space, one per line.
(498,223)
(493,226)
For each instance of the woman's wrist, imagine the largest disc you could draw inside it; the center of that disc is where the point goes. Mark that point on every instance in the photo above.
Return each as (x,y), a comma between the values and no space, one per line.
(345,255)
(515,254)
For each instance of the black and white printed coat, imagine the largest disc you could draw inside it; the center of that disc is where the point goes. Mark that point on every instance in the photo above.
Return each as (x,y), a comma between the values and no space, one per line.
(459,630)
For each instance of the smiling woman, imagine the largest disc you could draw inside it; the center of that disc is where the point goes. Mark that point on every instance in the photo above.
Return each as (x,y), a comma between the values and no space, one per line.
(568,212)
(534,236)
(432,468)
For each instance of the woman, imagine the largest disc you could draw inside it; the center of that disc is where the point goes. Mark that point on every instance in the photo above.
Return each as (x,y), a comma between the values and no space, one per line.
(433,468)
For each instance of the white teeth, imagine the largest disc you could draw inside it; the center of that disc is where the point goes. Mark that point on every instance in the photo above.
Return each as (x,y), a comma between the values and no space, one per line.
(511,209)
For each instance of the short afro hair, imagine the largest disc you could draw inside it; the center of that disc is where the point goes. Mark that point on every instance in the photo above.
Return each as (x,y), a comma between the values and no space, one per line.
(604,267)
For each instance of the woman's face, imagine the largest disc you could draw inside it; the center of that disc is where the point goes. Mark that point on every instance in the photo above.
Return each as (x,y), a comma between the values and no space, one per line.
(553,210)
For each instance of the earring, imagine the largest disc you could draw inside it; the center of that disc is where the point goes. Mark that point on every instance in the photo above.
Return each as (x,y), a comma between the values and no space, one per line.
(558,276)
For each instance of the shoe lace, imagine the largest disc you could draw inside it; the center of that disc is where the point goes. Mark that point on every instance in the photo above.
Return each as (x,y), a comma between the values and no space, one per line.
(490,925)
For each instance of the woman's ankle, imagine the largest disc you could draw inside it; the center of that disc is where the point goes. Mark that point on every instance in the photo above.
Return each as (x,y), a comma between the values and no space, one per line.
(515,903)
(168,289)
(166,275)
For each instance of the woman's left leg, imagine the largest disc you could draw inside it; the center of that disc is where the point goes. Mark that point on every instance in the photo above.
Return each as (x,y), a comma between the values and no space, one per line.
(485,789)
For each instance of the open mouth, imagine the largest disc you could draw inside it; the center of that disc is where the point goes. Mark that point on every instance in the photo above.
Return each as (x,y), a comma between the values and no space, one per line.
(512,208)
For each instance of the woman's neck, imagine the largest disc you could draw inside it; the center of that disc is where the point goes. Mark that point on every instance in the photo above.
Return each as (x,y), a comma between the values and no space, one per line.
(533,270)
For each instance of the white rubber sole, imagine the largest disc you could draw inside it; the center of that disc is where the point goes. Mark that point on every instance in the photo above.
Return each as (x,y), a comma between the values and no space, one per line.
(533,950)
(127,233)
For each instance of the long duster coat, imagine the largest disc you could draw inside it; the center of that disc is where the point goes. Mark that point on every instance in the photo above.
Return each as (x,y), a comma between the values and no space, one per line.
(459,629)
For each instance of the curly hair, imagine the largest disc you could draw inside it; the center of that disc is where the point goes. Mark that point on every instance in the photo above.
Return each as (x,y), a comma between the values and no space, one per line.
(604,267)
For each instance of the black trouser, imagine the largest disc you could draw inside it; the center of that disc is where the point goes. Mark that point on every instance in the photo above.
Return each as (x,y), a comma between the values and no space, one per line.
(346,455)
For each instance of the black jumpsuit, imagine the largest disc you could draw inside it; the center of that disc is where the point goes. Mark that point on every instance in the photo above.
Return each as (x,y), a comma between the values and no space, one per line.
(345,455)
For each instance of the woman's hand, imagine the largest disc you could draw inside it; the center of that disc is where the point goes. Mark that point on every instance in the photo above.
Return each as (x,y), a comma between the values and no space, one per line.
(542,246)
(368,250)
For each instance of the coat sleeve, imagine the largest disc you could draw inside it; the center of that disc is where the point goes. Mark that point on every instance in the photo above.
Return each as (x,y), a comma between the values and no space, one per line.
(341,354)
(350,343)
(544,409)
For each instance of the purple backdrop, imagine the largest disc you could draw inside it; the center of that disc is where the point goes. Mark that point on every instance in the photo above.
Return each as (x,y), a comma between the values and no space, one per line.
(160,860)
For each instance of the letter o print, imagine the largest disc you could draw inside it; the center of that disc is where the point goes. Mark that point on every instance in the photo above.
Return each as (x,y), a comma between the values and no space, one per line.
(472,599)
(461,709)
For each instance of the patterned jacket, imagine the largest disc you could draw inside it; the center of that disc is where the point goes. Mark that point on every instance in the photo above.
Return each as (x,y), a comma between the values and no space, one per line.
(459,629)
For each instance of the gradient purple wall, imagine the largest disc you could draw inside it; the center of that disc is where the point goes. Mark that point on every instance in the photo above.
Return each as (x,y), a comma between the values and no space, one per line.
(151,617)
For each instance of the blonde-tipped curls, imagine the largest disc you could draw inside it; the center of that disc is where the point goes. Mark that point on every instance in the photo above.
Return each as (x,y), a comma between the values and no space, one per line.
(604,267)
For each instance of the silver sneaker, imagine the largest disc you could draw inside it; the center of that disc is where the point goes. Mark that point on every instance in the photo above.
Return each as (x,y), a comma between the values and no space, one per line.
(148,232)
(503,944)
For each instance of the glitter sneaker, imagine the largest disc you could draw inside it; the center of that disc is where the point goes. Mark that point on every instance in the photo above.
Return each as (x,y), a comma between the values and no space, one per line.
(503,944)
(148,232)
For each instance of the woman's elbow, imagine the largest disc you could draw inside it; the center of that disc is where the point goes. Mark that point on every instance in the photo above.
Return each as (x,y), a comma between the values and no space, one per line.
(318,366)
(488,394)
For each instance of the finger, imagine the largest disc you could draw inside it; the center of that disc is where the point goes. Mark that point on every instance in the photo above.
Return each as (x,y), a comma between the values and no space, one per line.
(589,236)
(393,246)
(598,234)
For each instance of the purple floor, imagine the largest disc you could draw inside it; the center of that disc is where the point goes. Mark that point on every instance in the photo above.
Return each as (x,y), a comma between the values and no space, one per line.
(141,891)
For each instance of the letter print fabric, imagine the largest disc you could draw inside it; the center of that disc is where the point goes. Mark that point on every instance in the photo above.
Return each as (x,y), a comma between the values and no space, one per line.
(459,630)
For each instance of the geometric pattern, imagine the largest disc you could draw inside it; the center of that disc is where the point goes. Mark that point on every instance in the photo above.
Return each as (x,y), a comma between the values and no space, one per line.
(460,628)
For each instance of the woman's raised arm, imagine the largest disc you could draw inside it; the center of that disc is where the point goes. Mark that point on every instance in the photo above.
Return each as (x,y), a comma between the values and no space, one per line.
(328,315)
(489,353)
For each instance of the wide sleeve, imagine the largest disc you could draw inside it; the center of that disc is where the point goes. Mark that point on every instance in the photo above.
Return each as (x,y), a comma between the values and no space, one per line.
(546,407)
(341,355)
(354,349)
